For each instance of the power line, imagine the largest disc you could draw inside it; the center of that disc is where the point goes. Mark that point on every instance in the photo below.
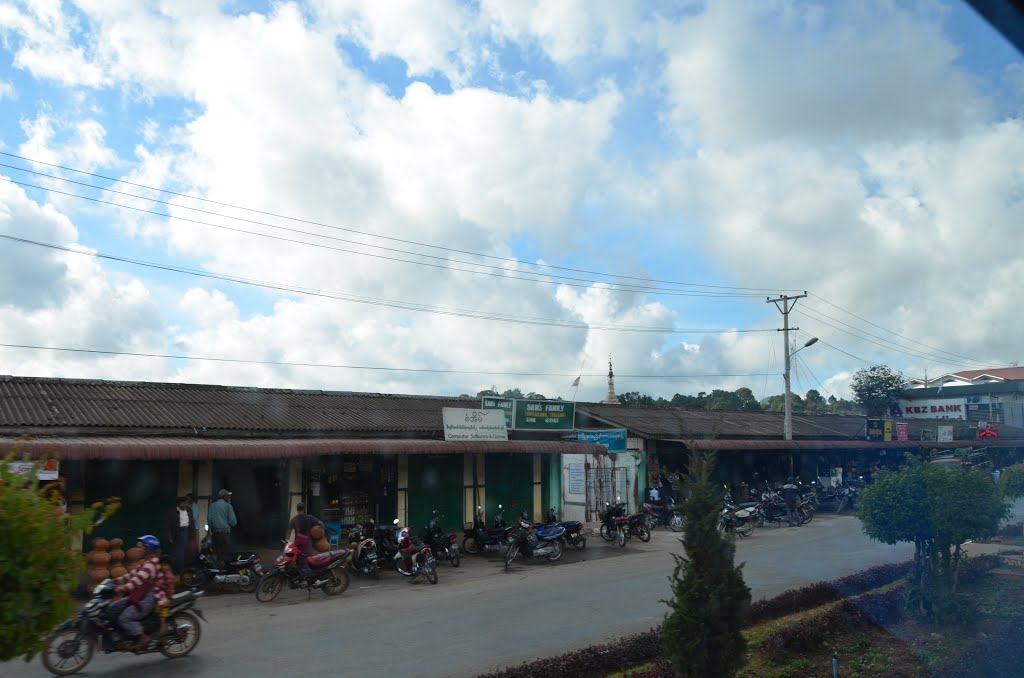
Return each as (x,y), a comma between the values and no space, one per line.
(913,341)
(619,288)
(477,315)
(281,363)
(323,225)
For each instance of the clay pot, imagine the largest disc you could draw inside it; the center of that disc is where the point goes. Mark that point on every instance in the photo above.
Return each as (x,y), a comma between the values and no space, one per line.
(118,571)
(322,545)
(100,544)
(116,556)
(116,543)
(134,553)
(316,532)
(98,574)
(100,559)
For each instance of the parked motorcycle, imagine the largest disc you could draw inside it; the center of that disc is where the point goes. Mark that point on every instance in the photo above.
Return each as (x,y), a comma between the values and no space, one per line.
(614,522)
(422,559)
(660,514)
(481,539)
(325,571)
(573,535)
(443,546)
(73,643)
(846,498)
(363,554)
(241,570)
(636,526)
(386,538)
(545,541)
(736,519)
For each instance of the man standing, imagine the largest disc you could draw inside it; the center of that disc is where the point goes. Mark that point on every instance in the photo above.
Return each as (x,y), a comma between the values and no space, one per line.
(790,495)
(180,530)
(193,508)
(221,519)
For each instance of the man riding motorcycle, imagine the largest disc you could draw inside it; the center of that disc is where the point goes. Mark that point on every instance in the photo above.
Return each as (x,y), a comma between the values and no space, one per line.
(142,591)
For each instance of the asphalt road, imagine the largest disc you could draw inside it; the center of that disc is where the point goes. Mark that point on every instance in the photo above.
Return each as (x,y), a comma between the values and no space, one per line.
(479,617)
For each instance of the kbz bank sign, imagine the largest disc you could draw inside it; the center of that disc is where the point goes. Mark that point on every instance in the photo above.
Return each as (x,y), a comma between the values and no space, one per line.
(948,408)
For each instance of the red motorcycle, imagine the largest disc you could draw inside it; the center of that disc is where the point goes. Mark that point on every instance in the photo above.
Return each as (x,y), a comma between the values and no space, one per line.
(323,571)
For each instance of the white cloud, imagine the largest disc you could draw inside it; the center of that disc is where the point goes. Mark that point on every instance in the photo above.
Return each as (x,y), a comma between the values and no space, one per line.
(7,91)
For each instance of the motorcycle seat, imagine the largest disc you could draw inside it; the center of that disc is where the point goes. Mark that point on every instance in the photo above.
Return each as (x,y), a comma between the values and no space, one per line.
(184,597)
(747,504)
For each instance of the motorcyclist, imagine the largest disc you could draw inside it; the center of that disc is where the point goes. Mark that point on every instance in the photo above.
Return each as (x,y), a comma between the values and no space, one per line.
(141,591)
(791,495)
(406,548)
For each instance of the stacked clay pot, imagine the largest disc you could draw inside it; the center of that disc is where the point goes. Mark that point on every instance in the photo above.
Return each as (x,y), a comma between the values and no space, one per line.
(117,555)
(99,561)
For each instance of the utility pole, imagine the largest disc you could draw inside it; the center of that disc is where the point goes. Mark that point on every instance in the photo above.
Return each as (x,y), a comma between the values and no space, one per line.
(785,308)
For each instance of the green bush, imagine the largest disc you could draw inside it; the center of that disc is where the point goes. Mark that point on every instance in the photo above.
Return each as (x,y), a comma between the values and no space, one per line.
(1011,481)
(38,564)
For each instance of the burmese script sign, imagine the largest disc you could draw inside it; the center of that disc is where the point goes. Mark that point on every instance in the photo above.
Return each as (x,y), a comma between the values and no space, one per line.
(469,425)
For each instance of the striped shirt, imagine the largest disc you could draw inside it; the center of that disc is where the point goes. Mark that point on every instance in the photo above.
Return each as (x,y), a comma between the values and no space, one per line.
(143,577)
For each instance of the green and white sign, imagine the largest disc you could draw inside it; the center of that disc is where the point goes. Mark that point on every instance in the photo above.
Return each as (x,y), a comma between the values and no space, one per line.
(506,405)
(544,415)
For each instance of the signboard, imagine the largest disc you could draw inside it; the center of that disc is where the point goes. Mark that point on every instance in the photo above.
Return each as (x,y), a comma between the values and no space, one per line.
(902,430)
(887,430)
(612,438)
(577,479)
(464,424)
(504,404)
(874,429)
(932,408)
(49,470)
(544,415)
(945,434)
(927,434)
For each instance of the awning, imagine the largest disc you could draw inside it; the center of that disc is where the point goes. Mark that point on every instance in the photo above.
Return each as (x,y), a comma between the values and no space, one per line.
(153,448)
(775,445)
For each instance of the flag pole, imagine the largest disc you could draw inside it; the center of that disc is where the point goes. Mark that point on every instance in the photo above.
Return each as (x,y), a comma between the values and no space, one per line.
(576,381)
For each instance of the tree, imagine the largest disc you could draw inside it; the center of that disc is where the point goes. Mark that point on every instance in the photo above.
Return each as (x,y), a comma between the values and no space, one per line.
(877,388)
(701,633)
(815,403)
(1011,481)
(39,567)
(936,510)
(746,400)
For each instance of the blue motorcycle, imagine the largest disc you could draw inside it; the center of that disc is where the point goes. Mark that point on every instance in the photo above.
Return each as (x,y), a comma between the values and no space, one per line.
(545,541)
(480,538)
(573,535)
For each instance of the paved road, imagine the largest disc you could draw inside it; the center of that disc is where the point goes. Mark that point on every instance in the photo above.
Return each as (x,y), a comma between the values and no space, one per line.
(479,617)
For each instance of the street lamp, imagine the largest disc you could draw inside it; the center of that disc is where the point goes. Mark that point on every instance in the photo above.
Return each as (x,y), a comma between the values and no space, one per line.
(787,426)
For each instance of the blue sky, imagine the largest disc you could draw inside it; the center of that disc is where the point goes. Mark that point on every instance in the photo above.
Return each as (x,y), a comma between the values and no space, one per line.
(736,151)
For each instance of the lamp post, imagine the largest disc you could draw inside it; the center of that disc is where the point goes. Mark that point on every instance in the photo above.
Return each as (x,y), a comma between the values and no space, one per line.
(787,426)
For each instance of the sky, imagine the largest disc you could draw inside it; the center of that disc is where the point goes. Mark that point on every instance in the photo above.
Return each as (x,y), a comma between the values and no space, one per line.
(440,197)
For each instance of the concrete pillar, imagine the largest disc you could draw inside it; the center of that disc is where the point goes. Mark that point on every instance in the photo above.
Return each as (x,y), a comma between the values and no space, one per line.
(403,489)
(538,498)
(481,481)
(206,493)
(295,488)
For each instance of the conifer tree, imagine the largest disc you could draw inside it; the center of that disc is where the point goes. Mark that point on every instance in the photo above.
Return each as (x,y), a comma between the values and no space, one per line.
(701,633)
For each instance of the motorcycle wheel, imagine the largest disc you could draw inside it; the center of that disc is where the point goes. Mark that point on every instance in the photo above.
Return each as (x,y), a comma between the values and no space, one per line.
(806,515)
(607,532)
(556,551)
(469,545)
(676,523)
(580,542)
(431,574)
(182,635)
(620,537)
(193,577)
(511,554)
(842,505)
(68,652)
(745,529)
(376,570)
(254,581)
(454,557)
(338,582)
(643,533)
(269,587)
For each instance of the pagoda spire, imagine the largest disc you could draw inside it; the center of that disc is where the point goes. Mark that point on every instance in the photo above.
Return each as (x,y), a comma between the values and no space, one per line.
(611,398)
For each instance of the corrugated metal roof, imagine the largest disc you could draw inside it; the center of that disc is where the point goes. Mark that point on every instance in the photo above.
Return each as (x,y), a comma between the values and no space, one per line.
(153,448)
(27,402)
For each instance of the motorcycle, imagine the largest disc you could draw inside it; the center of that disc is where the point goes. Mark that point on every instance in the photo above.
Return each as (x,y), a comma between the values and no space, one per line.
(363,555)
(846,496)
(387,538)
(736,519)
(422,559)
(443,546)
(73,643)
(658,514)
(325,571)
(545,541)
(241,570)
(481,539)
(573,535)
(614,522)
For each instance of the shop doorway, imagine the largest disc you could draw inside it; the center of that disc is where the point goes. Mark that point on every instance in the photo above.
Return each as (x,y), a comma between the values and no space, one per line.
(509,482)
(260,499)
(436,482)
